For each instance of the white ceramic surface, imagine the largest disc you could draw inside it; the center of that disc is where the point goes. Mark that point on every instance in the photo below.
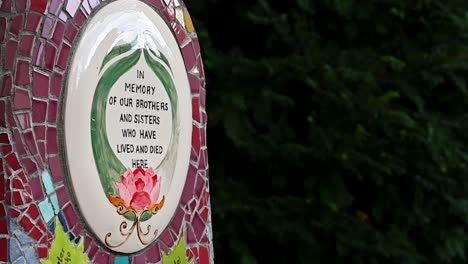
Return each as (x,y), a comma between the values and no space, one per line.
(118,23)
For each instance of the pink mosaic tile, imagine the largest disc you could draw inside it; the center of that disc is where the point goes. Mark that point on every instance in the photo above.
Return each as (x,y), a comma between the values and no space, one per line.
(6,6)
(10,52)
(22,73)
(57,80)
(22,99)
(26,45)
(2,28)
(21,5)
(55,169)
(79,18)
(50,54)
(16,24)
(63,57)
(53,111)
(6,85)
(54,6)
(39,111)
(57,35)
(32,22)
(70,32)
(40,84)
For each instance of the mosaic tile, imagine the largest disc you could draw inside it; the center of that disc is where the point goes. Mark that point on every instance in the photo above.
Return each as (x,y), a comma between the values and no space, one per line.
(203,255)
(33,211)
(47,27)
(86,7)
(6,6)
(139,259)
(30,166)
(63,57)
(101,257)
(57,80)
(37,190)
(14,250)
(53,111)
(52,147)
(55,169)
(40,131)
(196,139)
(30,256)
(39,53)
(6,84)
(153,254)
(194,83)
(189,24)
(179,32)
(63,16)
(39,5)
(46,210)
(22,73)
(50,54)
(54,6)
(23,238)
(3,250)
(10,52)
(72,7)
(80,18)
(55,203)
(48,183)
(57,35)
(12,160)
(2,28)
(40,84)
(15,24)
(26,45)
(202,98)
(22,99)
(21,6)
(70,215)
(121,260)
(70,32)
(32,22)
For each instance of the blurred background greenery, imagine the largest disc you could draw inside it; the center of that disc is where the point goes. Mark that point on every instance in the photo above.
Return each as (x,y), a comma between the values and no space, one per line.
(337,129)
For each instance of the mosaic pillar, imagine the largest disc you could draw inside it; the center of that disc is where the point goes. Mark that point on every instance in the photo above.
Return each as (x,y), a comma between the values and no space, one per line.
(102,133)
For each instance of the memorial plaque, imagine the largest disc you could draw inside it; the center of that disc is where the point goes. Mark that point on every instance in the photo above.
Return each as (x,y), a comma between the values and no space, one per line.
(102,132)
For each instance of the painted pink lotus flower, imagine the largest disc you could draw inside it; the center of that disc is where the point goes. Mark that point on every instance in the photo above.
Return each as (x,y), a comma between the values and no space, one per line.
(139,188)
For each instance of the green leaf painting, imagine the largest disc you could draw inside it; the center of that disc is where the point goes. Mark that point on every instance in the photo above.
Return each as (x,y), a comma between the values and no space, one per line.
(115,52)
(178,254)
(63,250)
(109,167)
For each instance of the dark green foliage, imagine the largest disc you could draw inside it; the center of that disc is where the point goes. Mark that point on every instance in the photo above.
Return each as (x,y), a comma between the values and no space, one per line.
(337,129)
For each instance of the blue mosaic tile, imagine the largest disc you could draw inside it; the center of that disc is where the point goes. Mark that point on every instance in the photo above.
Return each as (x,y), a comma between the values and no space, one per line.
(15,250)
(121,260)
(63,222)
(31,257)
(23,238)
(12,226)
(20,261)
(21,248)
(55,203)
(52,227)
(47,181)
(71,236)
(46,210)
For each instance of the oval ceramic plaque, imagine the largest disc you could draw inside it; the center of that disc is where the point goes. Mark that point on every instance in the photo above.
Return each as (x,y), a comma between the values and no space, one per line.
(127,125)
